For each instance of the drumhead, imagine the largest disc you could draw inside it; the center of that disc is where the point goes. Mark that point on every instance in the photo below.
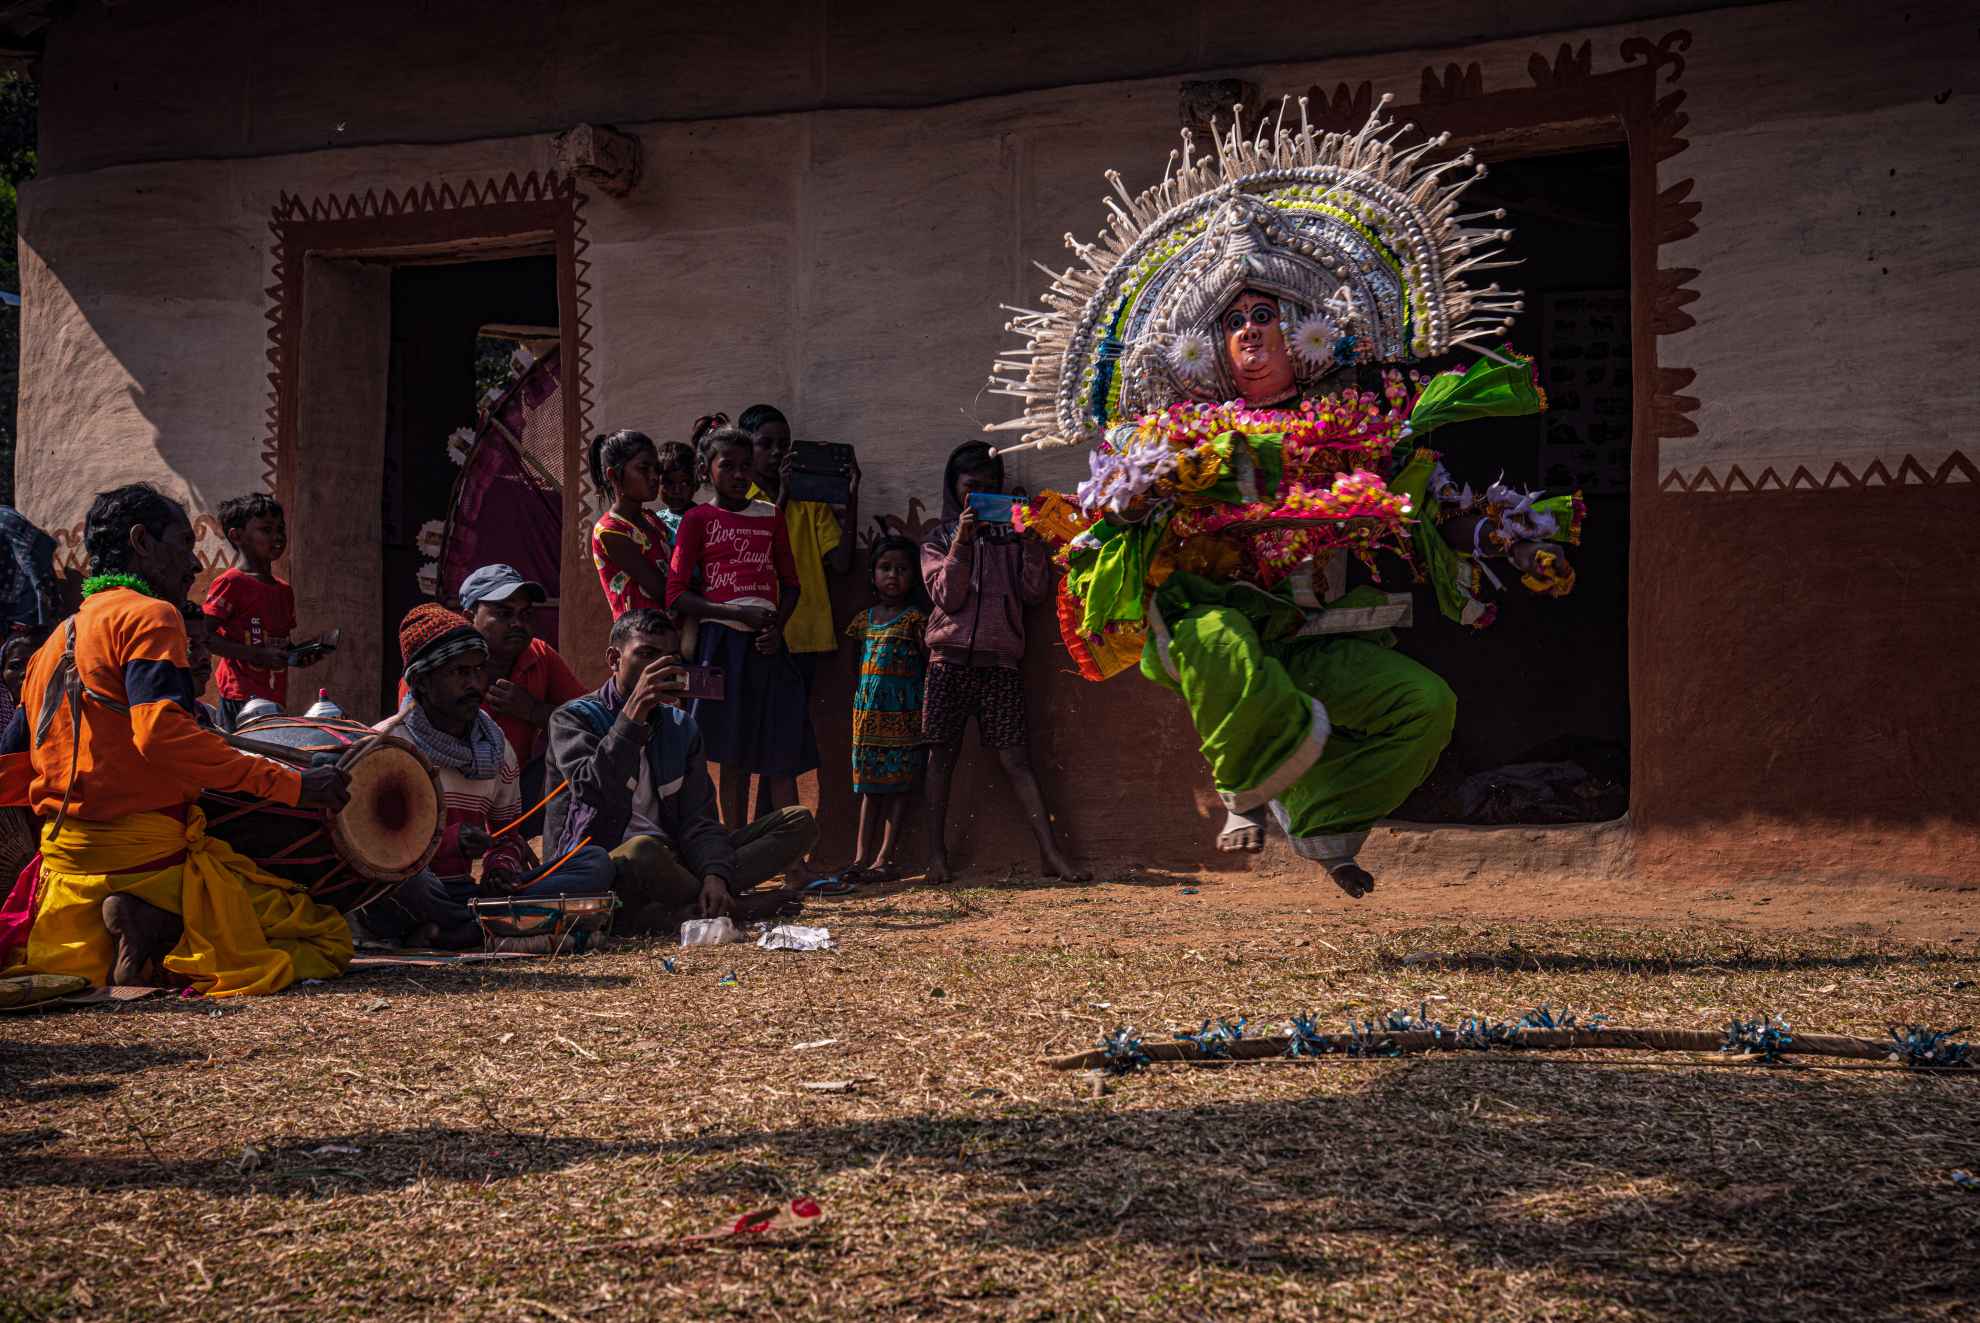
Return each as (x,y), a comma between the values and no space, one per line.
(392,825)
(299,740)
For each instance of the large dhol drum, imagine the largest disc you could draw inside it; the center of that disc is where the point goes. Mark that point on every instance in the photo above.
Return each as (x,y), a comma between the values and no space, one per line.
(385,834)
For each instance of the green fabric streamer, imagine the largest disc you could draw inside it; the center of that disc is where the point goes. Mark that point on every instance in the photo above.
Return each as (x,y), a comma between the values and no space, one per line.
(1486,390)
(1567,519)
(1109,579)
(97,583)
(1440,564)
(1266,452)
(1444,568)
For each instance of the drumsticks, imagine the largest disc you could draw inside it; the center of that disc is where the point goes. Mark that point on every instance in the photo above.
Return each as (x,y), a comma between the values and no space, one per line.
(498,835)
(561,862)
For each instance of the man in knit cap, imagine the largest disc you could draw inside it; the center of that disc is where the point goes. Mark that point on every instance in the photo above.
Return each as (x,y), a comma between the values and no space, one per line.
(446,663)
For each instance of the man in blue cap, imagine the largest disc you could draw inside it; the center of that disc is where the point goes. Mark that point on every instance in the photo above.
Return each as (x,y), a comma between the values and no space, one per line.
(527,680)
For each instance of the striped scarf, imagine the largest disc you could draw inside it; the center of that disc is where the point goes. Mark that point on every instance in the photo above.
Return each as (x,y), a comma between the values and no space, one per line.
(478,757)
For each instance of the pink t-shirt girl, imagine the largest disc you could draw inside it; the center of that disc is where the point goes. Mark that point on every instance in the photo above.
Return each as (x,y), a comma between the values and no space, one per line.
(744,556)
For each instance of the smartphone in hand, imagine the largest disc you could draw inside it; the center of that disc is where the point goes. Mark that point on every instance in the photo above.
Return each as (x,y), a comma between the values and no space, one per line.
(701,682)
(306,653)
(992,507)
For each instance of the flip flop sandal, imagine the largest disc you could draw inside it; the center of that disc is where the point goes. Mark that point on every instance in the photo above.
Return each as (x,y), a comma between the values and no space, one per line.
(836,885)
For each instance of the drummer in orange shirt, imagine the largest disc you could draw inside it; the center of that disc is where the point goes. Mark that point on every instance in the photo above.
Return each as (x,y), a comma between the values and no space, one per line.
(132,887)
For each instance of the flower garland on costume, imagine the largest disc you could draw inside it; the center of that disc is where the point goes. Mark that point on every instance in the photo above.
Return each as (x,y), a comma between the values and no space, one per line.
(1180,451)
(1356,512)
(102,583)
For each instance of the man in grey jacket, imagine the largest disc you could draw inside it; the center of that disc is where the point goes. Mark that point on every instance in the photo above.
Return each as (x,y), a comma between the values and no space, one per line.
(639,788)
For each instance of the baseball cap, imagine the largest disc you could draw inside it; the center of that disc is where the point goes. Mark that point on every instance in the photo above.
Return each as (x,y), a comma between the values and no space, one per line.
(496,583)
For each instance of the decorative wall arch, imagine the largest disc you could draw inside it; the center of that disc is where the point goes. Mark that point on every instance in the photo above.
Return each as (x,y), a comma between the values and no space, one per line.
(426,218)
(327,372)
(1570,105)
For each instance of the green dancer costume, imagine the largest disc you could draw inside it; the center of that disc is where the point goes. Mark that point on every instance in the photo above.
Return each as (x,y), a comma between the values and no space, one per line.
(1279,277)
(1327,766)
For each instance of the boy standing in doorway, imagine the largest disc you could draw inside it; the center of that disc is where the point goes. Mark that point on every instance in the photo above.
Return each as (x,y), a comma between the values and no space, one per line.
(252,612)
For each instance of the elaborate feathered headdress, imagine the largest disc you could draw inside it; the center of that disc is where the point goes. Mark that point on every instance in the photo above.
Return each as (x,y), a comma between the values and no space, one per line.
(1356,235)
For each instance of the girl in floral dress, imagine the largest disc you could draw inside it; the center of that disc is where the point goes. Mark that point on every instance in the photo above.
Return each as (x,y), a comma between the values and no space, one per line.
(886,720)
(630,549)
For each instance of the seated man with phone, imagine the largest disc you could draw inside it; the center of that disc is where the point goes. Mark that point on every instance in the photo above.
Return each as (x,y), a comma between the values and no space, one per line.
(639,788)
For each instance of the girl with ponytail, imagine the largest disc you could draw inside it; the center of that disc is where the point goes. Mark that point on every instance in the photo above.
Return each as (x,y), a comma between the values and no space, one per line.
(630,548)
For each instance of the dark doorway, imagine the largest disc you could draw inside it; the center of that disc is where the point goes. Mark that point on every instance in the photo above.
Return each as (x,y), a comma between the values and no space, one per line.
(452,328)
(1547,683)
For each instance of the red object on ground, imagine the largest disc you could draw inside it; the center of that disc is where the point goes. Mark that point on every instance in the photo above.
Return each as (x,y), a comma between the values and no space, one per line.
(800,1215)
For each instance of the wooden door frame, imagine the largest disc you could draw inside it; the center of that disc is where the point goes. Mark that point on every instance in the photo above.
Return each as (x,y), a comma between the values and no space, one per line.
(478,220)
(1569,107)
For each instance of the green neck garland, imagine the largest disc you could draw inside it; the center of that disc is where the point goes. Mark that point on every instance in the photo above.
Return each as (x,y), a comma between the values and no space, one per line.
(97,583)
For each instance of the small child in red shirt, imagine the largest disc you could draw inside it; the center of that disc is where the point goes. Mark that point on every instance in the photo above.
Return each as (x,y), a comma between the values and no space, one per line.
(252,613)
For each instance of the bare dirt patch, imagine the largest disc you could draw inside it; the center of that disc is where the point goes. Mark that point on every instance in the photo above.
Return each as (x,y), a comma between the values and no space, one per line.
(528,1140)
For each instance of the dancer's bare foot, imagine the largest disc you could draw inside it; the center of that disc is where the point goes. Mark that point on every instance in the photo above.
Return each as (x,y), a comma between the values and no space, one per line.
(145,936)
(1352,878)
(938,871)
(1057,865)
(1242,834)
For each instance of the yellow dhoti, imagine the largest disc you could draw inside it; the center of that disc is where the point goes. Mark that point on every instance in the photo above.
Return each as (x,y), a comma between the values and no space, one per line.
(246,930)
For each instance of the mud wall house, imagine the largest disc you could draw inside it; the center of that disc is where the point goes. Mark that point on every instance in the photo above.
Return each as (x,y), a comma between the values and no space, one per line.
(265,239)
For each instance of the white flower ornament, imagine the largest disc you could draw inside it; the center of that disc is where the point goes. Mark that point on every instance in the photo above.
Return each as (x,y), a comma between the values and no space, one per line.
(1191,356)
(1312,341)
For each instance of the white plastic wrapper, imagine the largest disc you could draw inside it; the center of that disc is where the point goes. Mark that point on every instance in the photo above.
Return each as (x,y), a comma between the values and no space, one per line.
(709,932)
(797,937)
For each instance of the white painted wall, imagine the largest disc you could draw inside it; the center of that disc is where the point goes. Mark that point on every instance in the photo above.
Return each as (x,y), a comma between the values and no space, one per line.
(848,264)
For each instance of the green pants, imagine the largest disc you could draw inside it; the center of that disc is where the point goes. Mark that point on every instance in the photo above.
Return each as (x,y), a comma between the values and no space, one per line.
(1332,731)
(649,871)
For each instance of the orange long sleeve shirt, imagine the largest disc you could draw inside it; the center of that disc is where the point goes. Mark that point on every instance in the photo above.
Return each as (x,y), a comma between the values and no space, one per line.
(132,649)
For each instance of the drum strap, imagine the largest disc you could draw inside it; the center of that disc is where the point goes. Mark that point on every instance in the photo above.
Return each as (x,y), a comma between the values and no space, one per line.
(66,686)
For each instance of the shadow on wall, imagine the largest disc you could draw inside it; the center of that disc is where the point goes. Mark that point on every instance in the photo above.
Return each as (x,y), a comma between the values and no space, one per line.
(1761,783)
(1117,762)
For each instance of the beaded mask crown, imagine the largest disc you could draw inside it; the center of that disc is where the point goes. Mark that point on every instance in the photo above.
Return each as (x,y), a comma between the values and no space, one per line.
(1355,234)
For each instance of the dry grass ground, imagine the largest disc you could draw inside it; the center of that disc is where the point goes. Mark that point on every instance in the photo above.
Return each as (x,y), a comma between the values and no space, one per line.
(531,1139)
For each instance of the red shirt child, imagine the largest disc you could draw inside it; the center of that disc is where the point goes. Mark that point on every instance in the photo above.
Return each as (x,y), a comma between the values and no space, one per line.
(251,612)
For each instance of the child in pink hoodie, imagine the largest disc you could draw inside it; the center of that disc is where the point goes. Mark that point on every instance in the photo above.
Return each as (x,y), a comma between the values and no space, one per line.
(980,578)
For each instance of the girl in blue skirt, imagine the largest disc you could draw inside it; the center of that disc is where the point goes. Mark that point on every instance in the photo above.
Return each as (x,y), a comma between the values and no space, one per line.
(747,589)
